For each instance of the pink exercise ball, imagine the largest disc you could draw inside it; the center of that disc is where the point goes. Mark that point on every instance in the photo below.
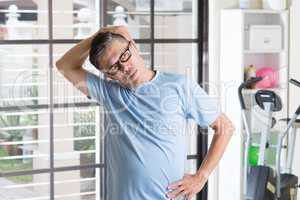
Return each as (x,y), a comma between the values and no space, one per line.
(270,77)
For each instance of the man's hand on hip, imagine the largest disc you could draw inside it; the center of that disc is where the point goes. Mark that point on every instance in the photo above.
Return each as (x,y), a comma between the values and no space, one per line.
(188,186)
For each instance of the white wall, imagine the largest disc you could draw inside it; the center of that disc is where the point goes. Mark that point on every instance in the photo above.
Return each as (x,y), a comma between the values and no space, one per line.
(215,6)
(295,71)
(214,59)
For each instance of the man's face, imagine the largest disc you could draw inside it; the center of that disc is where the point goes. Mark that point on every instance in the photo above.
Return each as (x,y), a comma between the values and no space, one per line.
(121,61)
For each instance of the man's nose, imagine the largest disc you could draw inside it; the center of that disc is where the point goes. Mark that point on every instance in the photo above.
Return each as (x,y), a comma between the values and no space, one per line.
(126,67)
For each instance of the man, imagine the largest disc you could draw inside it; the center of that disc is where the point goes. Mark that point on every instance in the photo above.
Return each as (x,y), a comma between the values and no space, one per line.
(147,115)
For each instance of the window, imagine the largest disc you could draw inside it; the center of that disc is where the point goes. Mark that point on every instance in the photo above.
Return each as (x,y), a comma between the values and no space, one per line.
(50,134)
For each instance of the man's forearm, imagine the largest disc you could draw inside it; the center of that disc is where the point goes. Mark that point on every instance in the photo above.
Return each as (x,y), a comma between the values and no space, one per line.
(75,57)
(217,148)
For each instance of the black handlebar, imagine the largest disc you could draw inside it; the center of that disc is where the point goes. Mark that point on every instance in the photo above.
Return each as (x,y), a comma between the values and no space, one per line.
(252,80)
(244,85)
(295,82)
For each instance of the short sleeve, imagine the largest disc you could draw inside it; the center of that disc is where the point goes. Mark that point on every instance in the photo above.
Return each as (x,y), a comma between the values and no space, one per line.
(96,87)
(199,106)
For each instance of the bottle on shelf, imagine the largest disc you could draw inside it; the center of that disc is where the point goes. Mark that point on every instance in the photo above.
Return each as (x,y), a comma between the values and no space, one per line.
(250,72)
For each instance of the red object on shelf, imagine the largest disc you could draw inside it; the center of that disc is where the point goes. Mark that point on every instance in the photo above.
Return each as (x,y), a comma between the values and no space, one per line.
(270,77)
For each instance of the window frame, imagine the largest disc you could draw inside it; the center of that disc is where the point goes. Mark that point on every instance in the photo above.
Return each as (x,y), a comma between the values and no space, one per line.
(202,43)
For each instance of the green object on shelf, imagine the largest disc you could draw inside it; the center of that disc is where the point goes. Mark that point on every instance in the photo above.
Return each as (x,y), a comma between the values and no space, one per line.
(253,155)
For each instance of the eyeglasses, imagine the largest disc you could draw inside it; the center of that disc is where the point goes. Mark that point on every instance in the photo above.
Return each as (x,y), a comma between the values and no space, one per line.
(124,57)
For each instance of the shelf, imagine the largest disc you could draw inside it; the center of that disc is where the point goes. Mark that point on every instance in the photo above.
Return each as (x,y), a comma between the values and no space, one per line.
(263,11)
(263,51)
(260,11)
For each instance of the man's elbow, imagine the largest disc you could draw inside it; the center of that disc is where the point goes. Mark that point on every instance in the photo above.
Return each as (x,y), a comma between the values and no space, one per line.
(230,128)
(223,125)
(59,64)
(62,66)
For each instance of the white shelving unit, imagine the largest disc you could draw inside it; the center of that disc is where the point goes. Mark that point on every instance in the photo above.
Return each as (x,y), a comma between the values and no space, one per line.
(235,55)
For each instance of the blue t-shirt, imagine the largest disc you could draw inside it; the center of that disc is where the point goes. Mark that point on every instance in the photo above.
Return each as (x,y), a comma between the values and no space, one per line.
(145,147)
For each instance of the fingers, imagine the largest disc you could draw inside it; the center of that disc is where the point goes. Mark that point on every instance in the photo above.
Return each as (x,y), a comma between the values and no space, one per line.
(184,187)
(122,30)
(176,188)
(176,192)
(175,185)
(181,194)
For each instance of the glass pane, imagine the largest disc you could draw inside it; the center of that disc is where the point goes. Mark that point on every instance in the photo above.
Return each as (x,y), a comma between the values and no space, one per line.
(23,75)
(177,58)
(175,19)
(25,187)
(24,140)
(78,184)
(23,20)
(76,134)
(75,19)
(64,91)
(134,14)
(145,52)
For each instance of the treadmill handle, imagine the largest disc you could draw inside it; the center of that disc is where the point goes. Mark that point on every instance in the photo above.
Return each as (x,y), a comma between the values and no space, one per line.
(244,85)
(298,111)
(295,82)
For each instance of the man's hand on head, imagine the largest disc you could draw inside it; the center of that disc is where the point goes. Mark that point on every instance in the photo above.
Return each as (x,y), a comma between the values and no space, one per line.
(122,30)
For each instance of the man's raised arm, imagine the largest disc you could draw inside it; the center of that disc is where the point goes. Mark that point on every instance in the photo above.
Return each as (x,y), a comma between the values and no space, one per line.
(70,64)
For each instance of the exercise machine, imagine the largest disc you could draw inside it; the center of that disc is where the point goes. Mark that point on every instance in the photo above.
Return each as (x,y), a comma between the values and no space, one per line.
(262,182)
